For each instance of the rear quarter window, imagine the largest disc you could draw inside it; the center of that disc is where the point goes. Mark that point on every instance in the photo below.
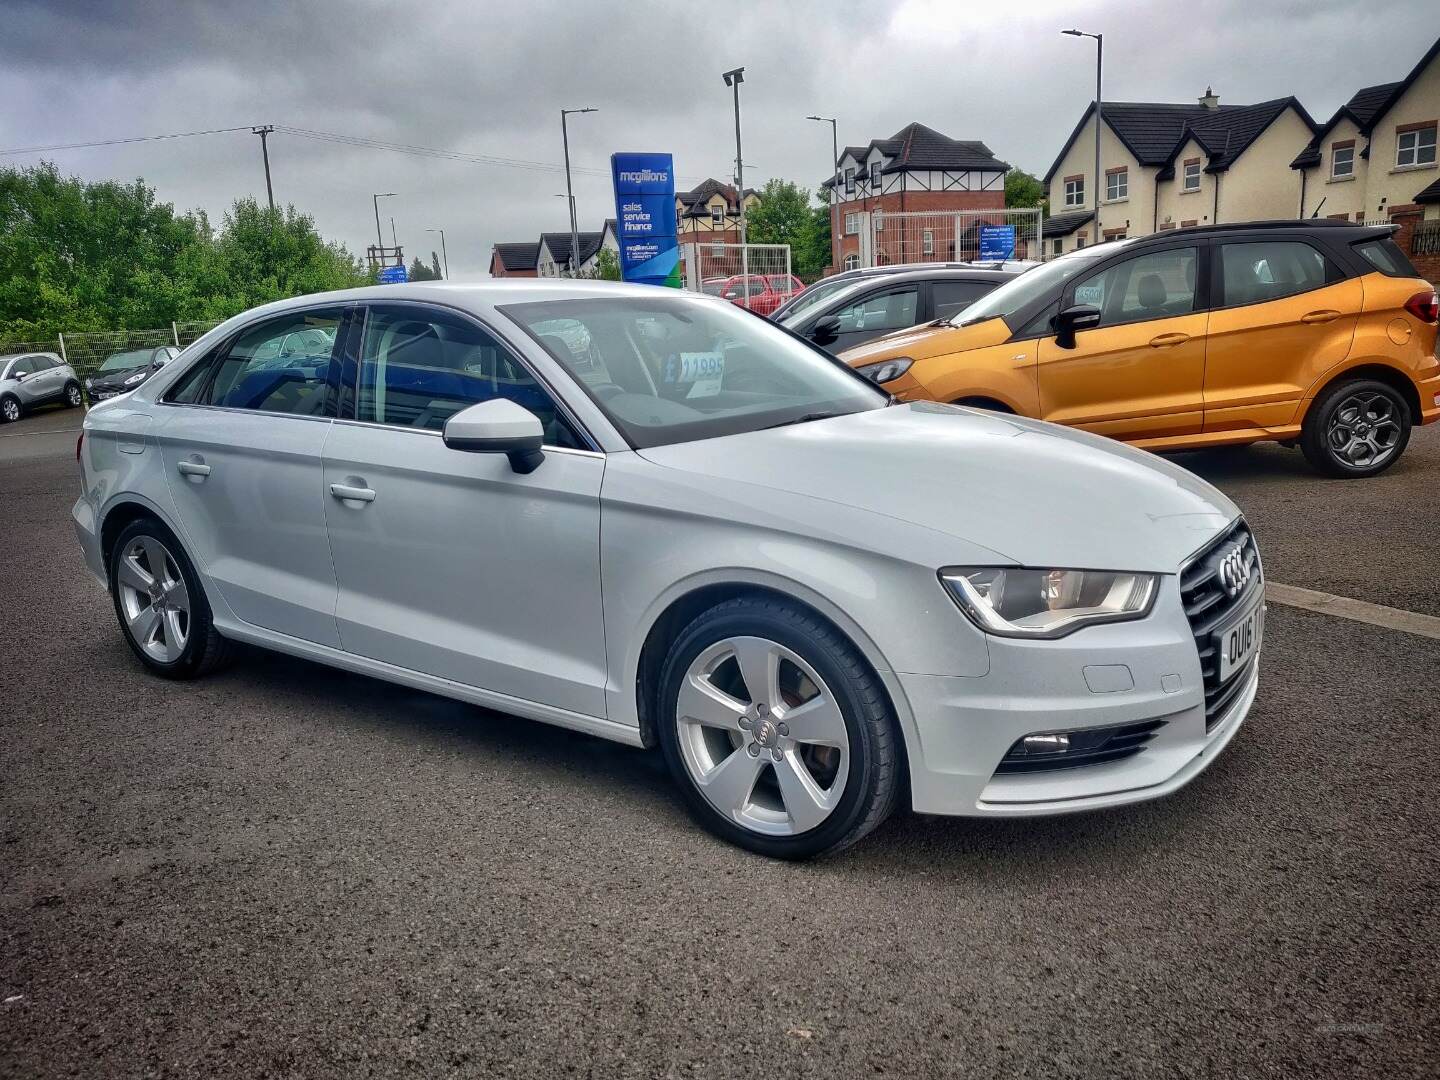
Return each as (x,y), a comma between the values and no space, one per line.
(1385,255)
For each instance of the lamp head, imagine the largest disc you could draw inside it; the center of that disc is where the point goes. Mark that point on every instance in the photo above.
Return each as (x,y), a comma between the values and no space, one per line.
(734,75)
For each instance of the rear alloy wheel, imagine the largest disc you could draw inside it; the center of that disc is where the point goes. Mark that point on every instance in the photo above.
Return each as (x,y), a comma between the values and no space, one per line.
(73,397)
(9,410)
(161,605)
(1356,429)
(776,731)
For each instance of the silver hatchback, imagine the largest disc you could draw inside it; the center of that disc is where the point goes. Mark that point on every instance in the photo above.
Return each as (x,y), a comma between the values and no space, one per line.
(29,380)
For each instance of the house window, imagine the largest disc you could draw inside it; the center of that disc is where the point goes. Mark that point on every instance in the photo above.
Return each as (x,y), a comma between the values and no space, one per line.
(717,250)
(1192,175)
(849,181)
(852,262)
(927,241)
(1342,160)
(717,215)
(852,224)
(1415,147)
(1075,191)
(1117,184)
(1079,241)
(1058,246)
(874,174)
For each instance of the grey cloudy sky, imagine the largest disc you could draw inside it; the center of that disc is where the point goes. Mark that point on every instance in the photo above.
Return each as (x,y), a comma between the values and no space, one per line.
(488,78)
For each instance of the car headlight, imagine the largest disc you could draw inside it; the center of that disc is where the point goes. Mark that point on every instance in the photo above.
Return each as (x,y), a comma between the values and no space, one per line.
(89,383)
(886,370)
(139,376)
(1024,603)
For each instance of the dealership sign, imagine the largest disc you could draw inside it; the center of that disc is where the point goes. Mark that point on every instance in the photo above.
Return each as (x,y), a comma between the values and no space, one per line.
(645,218)
(997,243)
(393,275)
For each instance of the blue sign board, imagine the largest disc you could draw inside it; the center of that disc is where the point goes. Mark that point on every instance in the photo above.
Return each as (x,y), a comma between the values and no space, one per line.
(997,243)
(645,218)
(393,275)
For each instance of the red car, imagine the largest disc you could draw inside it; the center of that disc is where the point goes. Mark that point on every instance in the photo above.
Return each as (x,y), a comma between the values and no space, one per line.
(761,293)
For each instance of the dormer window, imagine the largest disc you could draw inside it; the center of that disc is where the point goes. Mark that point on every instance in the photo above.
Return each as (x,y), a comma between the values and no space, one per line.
(1342,160)
(1192,175)
(849,181)
(874,174)
(717,215)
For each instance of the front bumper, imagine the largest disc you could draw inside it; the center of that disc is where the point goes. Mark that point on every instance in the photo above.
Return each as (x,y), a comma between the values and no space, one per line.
(1123,673)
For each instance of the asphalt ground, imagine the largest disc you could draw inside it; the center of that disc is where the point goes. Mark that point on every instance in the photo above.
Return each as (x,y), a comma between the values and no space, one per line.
(285,870)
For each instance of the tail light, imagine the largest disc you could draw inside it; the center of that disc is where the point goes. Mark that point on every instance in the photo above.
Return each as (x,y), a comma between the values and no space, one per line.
(1425,306)
(78,444)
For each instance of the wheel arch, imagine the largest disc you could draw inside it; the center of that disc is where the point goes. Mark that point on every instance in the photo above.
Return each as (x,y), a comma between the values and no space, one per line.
(1391,376)
(677,611)
(121,513)
(982,401)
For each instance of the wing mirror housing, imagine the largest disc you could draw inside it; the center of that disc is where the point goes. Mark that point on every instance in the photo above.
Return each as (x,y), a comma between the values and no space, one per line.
(825,330)
(498,426)
(1073,319)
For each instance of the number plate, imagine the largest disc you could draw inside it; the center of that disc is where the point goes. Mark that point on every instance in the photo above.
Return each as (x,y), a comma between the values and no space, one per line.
(1240,641)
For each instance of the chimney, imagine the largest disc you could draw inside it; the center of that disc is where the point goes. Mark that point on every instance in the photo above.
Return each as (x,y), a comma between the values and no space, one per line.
(1209,101)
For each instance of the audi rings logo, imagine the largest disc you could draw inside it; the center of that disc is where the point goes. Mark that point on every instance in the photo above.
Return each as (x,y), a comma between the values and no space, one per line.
(1235,569)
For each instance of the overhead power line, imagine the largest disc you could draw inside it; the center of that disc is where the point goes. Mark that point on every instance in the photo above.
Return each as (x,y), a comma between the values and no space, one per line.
(119,142)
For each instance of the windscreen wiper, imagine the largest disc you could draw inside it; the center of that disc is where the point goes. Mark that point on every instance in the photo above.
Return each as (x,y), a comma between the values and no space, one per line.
(806,419)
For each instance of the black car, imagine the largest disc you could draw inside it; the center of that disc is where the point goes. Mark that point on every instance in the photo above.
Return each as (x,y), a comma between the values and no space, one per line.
(123,371)
(872,304)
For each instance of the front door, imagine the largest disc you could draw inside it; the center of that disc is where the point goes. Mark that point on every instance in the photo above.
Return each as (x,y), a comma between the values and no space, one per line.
(1283,317)
(452,563)
(878,312)
(1141,373)
(242,454)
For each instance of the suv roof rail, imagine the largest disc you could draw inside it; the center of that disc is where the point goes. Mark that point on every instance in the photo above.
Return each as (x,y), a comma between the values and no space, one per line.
(1275,224)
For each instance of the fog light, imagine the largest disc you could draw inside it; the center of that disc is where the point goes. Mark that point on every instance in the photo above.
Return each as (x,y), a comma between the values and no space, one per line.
(1045,744)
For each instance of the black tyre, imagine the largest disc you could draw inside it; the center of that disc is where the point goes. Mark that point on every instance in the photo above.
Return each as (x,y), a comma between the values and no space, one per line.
(161,606)
(1356,428)
(9,409)
(805,763)
(74,398)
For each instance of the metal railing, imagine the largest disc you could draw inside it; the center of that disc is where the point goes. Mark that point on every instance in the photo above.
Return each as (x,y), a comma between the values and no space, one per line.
(86,351)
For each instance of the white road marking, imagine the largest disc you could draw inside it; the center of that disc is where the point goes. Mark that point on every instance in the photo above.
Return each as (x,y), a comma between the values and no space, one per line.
(1342,607)
(47,431)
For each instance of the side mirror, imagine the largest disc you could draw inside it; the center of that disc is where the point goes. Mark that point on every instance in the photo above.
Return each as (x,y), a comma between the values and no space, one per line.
(160,361)
(825,330)
(19,376)
(1073,319)
(498,426)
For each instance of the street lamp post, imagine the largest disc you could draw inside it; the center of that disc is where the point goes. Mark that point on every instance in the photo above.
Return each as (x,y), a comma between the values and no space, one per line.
(444,255)
(1099,116)
(733,78)
(569,192)
(834,174)
(379,237)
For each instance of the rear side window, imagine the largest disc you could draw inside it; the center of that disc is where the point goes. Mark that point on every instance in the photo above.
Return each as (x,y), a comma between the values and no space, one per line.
(1268,270)
(955,296)
(1385,255)
(279,365)
(887,311)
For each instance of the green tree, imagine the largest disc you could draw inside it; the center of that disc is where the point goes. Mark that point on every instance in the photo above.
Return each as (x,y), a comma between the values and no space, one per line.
(1023,189)
(420,272)
(607,265)
(782,217)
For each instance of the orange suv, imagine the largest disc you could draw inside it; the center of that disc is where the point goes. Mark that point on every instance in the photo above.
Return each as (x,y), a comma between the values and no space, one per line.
(1311,332)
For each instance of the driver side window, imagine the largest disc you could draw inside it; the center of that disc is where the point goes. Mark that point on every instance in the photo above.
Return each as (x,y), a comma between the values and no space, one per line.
(893,310)
(1156,285)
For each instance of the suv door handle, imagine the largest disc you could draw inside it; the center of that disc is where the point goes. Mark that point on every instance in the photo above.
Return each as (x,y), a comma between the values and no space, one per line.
(1164,341)
(1320,316)
(346,493)
(193,468)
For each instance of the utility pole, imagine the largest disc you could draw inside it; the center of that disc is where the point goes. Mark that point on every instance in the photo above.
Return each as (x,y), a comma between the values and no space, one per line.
(733,78)
(379,236)
(444,255)
(569,191)
(1099,118)
(264,131)
(834,181)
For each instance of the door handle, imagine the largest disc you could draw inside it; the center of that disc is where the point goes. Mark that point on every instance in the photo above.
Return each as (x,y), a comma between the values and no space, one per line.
(1164,341)
(1320,316)
(197,469)
(346,493)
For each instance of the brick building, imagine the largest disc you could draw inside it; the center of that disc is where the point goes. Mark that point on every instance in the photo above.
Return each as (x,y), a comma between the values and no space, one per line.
(710,214)
(916,169)
(513,260)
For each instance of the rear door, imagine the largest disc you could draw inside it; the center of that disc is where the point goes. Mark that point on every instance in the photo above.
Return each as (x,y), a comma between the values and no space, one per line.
(242,450)
(452,563)
(1141,373)
(1284,314)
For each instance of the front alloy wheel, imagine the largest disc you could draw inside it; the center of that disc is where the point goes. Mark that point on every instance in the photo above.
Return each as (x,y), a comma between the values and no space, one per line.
(9,410)
(776,730)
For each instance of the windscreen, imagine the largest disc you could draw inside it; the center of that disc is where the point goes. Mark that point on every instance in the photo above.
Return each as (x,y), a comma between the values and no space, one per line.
(675,369)
(1018,292)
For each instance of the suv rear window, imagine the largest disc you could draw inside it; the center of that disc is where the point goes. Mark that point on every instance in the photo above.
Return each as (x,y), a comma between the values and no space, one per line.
(1385,255)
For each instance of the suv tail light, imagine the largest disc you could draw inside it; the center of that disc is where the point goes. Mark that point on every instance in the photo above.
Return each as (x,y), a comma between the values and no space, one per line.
(1425,306)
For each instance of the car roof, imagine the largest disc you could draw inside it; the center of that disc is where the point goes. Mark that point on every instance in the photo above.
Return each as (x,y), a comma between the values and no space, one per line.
(1287,226)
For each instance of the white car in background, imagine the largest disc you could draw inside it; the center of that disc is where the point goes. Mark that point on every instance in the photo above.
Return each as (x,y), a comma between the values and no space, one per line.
(29,380)
(653,517)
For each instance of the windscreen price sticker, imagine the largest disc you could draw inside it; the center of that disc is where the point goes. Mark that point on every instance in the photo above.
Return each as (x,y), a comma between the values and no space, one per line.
(705,370)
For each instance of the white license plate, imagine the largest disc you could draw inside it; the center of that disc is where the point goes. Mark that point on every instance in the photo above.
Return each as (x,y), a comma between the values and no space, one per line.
(1240,641)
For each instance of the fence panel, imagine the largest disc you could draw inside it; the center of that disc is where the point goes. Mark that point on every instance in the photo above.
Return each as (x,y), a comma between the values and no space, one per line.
(86,352)
(755,276)
(919,236)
